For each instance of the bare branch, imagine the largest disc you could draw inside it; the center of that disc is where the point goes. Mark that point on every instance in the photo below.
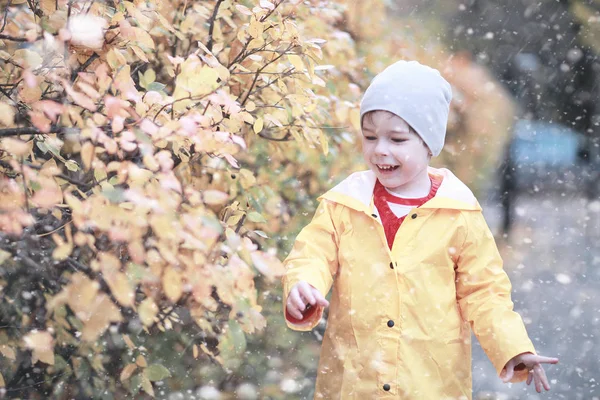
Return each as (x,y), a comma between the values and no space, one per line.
(260,70)
(83,67)
(12,38)
(27,131)
(5,15)
(286,138)
(211,22)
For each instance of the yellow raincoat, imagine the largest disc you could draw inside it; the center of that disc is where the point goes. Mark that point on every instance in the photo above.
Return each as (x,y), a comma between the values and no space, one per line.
(398,324)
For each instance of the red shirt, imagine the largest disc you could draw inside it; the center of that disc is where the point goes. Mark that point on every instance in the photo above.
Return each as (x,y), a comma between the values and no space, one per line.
(391,223)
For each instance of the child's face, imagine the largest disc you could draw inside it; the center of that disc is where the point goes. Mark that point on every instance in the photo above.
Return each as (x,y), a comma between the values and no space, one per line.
(393,151)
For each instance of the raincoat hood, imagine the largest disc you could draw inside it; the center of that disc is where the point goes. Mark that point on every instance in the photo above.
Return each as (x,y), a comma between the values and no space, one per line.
(356,192)
(399,321)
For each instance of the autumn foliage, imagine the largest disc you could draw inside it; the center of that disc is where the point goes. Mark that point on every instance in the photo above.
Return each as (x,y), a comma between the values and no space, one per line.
(152,155)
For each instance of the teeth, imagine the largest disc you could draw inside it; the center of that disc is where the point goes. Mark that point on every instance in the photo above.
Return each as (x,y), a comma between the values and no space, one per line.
(386,168)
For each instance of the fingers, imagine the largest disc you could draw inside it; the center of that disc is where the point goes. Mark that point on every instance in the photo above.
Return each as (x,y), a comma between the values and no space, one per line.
(529,378)
(294,304)
(538,380)
(320,299)
(306,293)
(543,377)
(301,295)
(546,360)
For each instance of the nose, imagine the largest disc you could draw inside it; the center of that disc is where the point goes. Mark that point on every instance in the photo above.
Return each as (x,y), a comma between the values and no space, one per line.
(381,148)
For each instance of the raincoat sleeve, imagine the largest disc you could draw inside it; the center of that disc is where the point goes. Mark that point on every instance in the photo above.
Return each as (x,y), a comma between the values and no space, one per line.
(484,296)
(313,259)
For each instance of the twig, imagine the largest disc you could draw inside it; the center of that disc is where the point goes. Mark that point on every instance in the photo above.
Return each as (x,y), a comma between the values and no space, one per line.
(55,230)
(212,21)
(27,131)
(5,15)
(12,38)
(82,185)
(286,138)
(83,67)
(260,70)
(25,187)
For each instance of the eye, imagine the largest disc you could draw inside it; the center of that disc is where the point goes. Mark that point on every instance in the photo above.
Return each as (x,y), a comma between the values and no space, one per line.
(398,140)
(370,138)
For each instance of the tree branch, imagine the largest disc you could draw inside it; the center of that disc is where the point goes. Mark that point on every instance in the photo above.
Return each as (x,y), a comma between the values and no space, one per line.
(5,15)
(260,70)
(286,138)
(212,21)
(12,38)
(27,131)
(83,67)
(84,186)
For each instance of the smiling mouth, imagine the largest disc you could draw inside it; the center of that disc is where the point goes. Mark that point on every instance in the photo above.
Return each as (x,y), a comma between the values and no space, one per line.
(387,168)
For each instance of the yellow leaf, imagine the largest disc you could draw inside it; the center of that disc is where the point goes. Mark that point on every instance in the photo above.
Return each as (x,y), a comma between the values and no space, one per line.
(128,342)
(2,383)
(150,162)
(148,311)
(42,345)
(143,38)
(247,179)
(141,361)
(104,312)
(15,146)
(195,351)
(214,197)
(172,284)
(267,4)
(147,385)
(120,287)
(139,52)
(324,143)
(115,59)
(243,9)
(268,264)
(258,125)
(8,352)
(255,29)
(87,155)
(296,61)
(7,114)
(28,58)
(127,371)
(62,252)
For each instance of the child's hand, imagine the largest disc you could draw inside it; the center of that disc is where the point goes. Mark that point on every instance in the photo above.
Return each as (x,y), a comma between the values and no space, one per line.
(301,297)
(533,364)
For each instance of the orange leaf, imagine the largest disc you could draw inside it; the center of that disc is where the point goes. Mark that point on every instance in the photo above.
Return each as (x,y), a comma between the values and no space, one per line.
(87,155)
(127,371)
(141,361)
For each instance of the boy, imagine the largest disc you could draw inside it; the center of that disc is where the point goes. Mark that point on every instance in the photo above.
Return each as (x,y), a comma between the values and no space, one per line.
(411,261)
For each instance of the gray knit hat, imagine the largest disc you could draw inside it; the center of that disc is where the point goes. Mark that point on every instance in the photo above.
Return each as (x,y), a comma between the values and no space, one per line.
(416,93)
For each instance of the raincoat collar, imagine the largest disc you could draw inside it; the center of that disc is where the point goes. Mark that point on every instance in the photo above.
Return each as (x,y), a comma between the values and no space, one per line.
(356,192)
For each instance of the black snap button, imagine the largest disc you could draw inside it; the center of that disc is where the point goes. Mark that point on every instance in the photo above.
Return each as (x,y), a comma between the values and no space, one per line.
(386,387)
(374,215)
(392,265)
(390,323)
(414,216)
